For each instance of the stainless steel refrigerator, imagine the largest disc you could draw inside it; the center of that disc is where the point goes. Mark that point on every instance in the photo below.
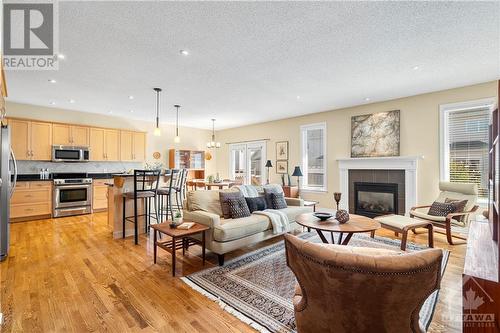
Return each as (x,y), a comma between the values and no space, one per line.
(8,178)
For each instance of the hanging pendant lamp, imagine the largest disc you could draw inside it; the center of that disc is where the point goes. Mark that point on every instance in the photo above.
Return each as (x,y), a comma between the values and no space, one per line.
(157,131)
(213,143)
(177,138)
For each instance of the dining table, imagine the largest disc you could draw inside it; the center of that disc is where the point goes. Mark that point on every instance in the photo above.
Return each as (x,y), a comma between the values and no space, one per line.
(202,183)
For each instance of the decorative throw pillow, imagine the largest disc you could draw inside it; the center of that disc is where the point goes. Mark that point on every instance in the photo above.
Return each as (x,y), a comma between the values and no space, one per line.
(224,197)
(459,207)
(257,203)
(268,191)
(238,208)
(441,208)
(278,201)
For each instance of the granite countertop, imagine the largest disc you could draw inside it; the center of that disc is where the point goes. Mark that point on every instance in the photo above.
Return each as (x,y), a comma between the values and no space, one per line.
(36,177)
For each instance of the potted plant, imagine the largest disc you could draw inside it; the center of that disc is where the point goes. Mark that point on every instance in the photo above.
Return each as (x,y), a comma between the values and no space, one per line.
(177,217)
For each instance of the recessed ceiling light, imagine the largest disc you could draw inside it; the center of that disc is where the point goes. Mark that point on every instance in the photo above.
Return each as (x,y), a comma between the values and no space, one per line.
(131,111)
(72,101)
(416,68)
(298,97)
(52,81)
(367,99)
(52,103)
(110,111)
(61,56)
(184,52)
(131,97)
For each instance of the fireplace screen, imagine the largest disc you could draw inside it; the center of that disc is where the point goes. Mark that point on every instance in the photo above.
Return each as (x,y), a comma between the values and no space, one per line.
(375,199)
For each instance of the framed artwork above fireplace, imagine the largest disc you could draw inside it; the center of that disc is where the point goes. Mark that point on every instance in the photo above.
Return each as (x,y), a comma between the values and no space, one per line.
(375,135)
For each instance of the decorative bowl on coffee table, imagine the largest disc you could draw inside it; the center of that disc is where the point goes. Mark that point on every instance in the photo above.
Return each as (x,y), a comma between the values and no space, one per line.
(323,216)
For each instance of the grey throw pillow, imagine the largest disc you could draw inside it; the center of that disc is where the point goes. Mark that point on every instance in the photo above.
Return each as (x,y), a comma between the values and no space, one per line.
(278,201)
(238,208)
(257,203)
(268,191)
(441,208)
(224,197)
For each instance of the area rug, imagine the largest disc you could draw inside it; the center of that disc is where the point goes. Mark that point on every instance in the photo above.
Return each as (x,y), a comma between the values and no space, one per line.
(258,287)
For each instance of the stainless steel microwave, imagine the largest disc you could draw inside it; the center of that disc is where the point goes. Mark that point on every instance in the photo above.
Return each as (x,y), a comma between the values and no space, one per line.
(70,153)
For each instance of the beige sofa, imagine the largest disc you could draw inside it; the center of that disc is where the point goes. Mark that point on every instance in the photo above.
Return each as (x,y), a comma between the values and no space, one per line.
(226,235)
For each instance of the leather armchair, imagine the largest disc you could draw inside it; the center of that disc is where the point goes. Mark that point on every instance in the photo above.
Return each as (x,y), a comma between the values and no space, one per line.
(354,289)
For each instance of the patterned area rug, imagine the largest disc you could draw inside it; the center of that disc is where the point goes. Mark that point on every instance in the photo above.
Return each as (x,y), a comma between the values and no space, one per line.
(258,287)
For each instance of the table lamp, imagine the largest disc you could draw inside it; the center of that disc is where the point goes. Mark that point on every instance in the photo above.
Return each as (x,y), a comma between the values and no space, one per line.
(297,173)
(268,165)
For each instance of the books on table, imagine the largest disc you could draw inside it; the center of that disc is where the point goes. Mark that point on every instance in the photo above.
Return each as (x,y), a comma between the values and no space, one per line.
(186,225)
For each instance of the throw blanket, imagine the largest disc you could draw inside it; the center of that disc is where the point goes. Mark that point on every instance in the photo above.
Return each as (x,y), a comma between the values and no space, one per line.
(248,191)
(278,219)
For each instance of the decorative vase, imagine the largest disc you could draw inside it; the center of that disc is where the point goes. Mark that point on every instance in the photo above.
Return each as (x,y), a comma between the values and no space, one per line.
(342,216)
(337,196)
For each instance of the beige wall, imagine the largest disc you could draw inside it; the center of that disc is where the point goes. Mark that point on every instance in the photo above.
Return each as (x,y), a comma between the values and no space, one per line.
(191,138)
(419,136)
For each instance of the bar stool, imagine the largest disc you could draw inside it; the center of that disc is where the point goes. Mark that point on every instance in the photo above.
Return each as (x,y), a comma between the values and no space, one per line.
(145,187)
(165,193)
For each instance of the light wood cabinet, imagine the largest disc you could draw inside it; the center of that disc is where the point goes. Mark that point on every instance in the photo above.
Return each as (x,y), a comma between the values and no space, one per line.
(97,144)
(31,140)
(100,194)
(139,146)
(112,145)
(31,200)
(20,138)
(132,146)
(63,134)
(126,148)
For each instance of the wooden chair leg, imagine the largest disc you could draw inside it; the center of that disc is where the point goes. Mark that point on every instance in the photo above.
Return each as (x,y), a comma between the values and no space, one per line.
(430,230)
(396,233)
(448,233)
(372,234)
(403,240)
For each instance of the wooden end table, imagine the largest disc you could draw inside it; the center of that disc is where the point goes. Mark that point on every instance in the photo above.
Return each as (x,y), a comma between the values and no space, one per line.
(356,224)
(176,234)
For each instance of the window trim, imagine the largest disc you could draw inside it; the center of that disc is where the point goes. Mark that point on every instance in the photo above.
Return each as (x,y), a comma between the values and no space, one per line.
(444,150)
(303,128)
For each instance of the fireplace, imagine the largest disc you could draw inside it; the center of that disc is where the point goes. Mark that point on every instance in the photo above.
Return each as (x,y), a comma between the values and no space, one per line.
(375,199)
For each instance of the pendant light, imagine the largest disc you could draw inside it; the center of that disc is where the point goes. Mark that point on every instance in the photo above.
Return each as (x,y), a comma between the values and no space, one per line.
(157,131)
(177,138)
(213,143)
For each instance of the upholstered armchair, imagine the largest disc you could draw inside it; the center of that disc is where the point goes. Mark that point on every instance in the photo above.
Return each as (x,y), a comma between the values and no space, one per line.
(356,290)
(453,191)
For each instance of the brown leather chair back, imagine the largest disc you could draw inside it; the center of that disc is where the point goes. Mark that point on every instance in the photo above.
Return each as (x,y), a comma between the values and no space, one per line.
(355,289)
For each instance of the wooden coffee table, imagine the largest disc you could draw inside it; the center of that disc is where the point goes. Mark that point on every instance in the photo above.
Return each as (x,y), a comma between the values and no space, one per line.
(356,224)
(176,234)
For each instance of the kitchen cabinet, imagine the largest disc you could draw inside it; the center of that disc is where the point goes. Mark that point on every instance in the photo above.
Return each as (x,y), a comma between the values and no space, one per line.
(97,144)
(31,140)
(100,194)
(20,138)
(112,145)
(132,146)
(139,146)
(64,134)
(31,200)
(126,148)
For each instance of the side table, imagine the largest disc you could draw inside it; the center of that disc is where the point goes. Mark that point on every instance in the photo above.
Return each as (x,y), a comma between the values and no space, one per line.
(178,234)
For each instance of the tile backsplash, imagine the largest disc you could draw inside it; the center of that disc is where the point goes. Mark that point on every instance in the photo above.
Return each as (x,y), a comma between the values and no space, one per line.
(33,167)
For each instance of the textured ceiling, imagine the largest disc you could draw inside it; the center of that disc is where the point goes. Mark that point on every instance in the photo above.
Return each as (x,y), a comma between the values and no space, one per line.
(249,61)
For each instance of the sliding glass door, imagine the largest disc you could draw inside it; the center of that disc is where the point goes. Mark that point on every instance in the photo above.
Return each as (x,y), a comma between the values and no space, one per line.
(247,161)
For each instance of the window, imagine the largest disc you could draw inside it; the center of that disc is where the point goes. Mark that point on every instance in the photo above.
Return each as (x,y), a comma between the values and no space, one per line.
(465,143)
(314,156)
(247,161)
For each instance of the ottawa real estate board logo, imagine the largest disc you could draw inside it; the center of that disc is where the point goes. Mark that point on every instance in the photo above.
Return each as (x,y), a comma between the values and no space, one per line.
(30,35)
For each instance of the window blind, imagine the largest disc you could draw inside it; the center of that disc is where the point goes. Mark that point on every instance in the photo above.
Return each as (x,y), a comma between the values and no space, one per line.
(468,147)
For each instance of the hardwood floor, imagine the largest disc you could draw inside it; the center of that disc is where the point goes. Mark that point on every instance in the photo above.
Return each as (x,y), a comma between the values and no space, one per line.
(68,274)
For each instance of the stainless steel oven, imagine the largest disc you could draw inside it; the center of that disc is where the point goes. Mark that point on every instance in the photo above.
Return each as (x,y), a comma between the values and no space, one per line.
(72,195)
(70,153)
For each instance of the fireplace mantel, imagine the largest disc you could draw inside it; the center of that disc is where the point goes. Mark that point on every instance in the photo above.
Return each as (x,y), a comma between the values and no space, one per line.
(407,163)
